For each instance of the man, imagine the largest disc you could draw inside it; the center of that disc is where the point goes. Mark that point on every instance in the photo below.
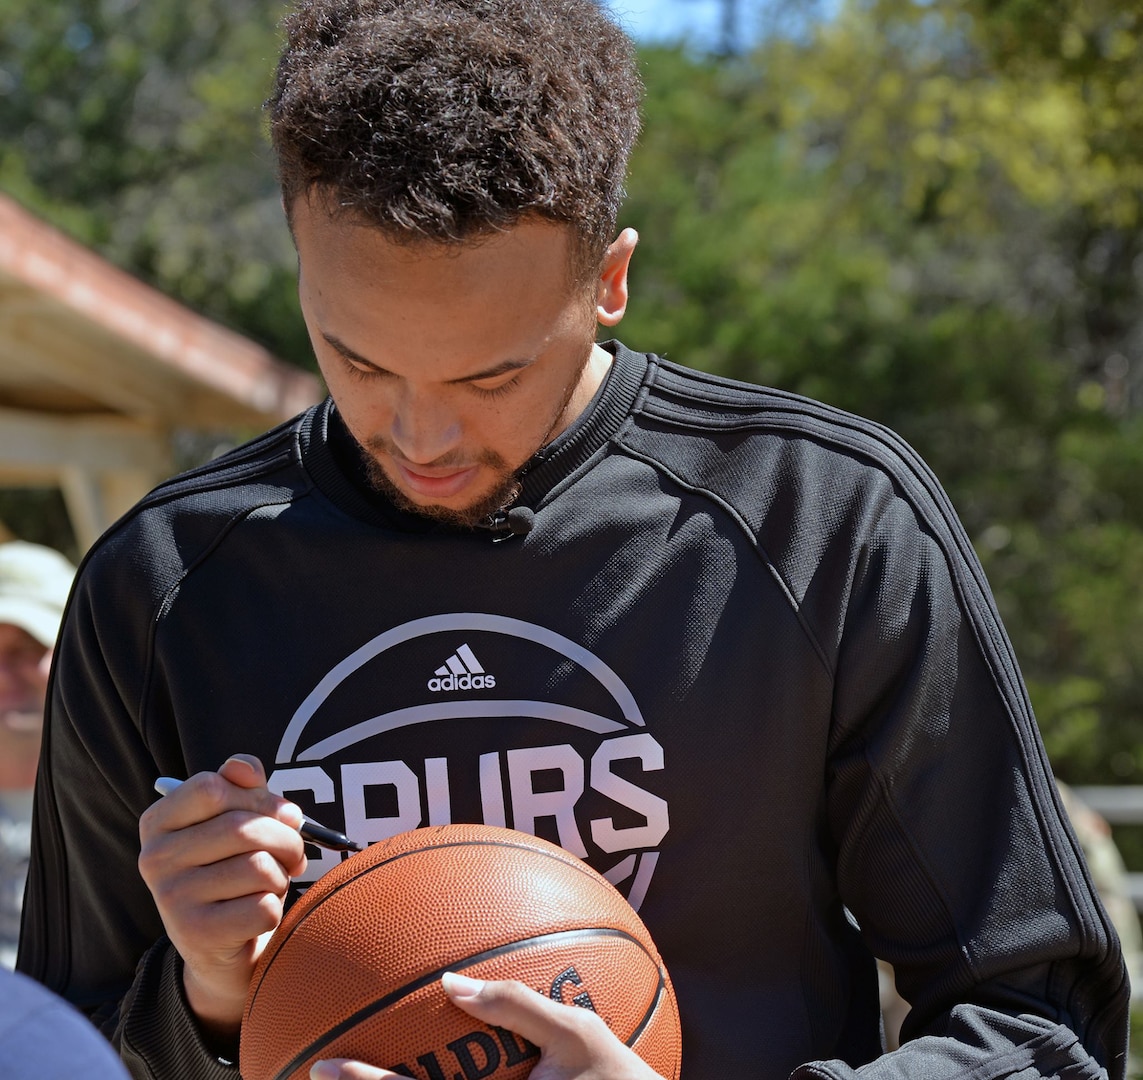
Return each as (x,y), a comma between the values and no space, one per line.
(728,645)
(34,583)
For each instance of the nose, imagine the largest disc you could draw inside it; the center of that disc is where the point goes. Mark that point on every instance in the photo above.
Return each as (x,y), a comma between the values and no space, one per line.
(424,428)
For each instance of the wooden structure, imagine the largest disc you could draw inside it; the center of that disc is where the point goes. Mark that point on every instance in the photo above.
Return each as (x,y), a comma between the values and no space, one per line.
(98,370)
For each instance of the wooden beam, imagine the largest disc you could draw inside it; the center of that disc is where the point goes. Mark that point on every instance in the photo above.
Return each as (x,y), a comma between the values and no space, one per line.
(137,318)
(37,444)
(84,502)
(102,466)
(32,442)
(64,352)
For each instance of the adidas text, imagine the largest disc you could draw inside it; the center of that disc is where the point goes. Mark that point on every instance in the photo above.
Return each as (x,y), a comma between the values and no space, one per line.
(462,682)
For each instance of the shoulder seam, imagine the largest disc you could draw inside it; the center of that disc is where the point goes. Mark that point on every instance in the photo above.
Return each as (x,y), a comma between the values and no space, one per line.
(737,518)
(164,606)
(914,482)
(264,453)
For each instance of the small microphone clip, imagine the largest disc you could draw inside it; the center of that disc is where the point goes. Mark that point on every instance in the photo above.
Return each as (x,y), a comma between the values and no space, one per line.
(521,520)
(505,524)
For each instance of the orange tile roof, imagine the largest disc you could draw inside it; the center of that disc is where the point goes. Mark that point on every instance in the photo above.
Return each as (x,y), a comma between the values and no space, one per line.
(63,273)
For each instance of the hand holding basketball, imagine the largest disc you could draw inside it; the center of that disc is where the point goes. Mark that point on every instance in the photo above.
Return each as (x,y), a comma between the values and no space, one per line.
(575,1043)
(217,855)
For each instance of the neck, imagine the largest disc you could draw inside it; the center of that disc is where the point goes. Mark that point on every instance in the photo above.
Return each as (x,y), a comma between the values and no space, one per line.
(591,377)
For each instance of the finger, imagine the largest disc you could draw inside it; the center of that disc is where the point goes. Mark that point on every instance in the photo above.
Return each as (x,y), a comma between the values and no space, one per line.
(225,927)
(244,770)
(237,833)
(212,916)
(343,1069)
(208,794)
(231,833)
(251,873)
(575,1042)
(518,1008)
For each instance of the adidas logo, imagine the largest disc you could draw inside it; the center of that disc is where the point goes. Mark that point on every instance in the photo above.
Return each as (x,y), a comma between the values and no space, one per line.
(461,671)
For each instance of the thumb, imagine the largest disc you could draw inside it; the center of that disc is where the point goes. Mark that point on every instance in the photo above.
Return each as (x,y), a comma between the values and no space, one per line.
(575,1042)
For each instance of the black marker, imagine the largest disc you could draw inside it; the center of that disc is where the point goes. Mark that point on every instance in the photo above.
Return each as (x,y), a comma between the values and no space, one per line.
(310,829)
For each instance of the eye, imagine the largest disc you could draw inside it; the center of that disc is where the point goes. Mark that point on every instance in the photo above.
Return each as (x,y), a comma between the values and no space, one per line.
(356,370)
(499,389)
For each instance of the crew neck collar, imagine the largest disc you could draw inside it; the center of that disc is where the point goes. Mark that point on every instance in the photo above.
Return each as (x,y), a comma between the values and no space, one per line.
(333,460)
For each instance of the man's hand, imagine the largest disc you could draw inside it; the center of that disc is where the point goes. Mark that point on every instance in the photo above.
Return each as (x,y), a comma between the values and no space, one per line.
(218,854)
(575,1043)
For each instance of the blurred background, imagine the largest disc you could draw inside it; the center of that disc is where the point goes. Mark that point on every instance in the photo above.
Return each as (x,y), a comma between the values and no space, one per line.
(929,212)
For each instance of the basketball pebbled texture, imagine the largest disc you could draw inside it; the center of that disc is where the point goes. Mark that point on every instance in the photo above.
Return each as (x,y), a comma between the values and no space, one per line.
(354,968)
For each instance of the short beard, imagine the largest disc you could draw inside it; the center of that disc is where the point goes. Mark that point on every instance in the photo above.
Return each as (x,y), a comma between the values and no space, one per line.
(506,492)
(466,517)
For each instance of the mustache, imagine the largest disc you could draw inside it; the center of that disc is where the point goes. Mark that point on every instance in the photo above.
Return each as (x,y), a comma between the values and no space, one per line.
(454,459)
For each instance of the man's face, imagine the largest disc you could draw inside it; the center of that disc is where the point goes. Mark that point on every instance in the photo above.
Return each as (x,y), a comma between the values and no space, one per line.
(24,665)
(450,365)
(23,677)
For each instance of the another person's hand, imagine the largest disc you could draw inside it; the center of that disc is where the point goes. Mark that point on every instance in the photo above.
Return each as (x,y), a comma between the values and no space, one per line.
(218,854)
(575,1043)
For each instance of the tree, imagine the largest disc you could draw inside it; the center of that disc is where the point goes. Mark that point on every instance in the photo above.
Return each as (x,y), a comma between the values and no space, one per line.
(897,216)
(136,128)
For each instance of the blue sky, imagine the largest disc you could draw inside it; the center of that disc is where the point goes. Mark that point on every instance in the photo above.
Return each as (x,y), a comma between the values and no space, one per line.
(651,20)
(700,21)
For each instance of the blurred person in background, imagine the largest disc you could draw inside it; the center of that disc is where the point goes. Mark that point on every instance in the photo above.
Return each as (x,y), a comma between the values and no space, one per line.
(1109,874)
(34,586)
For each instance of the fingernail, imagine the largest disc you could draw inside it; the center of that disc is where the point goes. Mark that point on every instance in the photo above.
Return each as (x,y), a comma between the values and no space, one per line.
(461,986)
(243,761)
(325,1070)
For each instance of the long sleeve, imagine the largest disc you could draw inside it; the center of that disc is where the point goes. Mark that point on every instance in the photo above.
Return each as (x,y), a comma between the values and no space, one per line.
(954,855)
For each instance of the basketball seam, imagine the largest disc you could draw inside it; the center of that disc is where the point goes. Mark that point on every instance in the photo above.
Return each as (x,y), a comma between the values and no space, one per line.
(651,1009)
(470,961)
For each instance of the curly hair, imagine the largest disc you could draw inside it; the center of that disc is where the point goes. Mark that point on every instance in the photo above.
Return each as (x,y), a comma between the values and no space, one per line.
(448,120)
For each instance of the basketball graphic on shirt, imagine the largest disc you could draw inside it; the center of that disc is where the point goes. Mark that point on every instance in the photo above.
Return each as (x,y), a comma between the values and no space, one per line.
(536,733)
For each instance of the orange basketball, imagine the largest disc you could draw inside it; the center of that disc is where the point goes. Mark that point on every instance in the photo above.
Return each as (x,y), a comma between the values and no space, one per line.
(354,969)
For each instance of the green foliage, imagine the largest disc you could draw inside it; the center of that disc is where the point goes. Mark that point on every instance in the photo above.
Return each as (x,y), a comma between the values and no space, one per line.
(914,216)
(136,127)
(39,516)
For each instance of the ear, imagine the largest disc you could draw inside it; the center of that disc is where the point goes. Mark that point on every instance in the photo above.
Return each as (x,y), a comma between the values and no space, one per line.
(611,298)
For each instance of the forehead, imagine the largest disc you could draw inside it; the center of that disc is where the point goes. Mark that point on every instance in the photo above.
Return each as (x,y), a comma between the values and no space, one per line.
(505,293)
(344,243)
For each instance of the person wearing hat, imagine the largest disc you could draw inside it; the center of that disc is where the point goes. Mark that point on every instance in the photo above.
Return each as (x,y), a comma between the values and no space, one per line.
(34,586)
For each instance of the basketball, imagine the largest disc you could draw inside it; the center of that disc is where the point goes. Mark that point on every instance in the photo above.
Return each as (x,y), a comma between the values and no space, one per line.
(354,968)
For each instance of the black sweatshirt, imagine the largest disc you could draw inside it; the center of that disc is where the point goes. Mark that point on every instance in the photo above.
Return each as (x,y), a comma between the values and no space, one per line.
(745,663)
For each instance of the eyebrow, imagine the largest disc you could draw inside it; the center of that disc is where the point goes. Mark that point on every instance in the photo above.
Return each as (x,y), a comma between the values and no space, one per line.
(490,373)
